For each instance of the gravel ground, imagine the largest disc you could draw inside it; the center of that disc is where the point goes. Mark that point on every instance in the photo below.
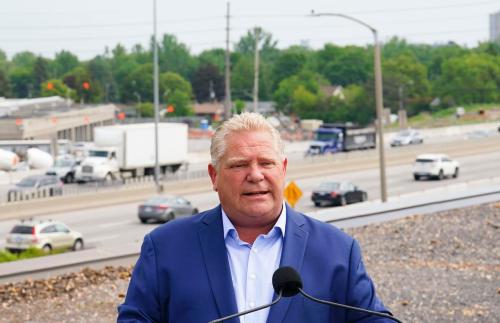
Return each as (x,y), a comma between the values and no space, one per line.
(443,267)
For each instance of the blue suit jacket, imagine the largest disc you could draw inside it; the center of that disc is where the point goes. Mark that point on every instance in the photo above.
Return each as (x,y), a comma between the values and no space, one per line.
(183,274)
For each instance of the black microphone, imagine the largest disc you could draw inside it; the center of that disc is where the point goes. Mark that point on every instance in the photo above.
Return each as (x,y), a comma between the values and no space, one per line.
(286,283)
(287,280)
(248,311)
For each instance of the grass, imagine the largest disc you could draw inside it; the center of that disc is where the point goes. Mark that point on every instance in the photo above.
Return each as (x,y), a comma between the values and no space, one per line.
(6,256)
(446,117)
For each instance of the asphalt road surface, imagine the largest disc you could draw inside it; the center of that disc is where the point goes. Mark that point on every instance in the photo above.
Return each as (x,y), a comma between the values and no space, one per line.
(115,226)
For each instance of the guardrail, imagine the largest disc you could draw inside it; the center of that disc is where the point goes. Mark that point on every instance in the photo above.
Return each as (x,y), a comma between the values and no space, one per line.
(309,165)
(36,268)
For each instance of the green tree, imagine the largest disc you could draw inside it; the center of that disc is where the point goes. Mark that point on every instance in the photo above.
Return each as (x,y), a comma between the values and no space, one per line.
(239,105)
(242,77)
(56,87)
(64,62)
(474,78)
(288,63)
(147,110)
(138,84)
(267,45)
(24,59)
(175,57)
(4,84)
(122,66)
(80,80)
(177,92)
(216,56)
(101,73)
(140,55)
(22,82)
(208,83)
(441,54)
(40,74)
(349,65)
(360,106)
(287,96)
(405,75)
(181,102)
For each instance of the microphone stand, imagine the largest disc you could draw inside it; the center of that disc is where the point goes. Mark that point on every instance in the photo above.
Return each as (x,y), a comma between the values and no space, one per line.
(348,307)
(250,310)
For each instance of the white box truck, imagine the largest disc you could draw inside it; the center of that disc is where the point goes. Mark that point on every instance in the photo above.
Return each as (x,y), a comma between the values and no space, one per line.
(131,149)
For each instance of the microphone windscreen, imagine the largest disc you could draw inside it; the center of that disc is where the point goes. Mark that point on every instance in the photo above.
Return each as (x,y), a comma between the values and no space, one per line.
(287,280)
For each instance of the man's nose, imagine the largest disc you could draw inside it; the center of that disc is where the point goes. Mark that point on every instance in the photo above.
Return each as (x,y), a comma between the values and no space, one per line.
(255,174)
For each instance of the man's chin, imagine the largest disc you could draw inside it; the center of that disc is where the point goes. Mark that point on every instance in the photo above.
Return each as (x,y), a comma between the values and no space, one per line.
(261,210)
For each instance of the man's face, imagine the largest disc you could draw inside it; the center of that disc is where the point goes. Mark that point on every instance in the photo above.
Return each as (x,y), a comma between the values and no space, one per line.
(250,179)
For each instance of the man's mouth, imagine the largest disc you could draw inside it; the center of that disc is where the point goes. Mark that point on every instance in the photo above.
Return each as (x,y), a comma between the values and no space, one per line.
(256,193)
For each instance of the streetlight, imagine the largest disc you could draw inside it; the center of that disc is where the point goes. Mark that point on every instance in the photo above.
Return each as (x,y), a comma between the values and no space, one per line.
(156,100)
(378,96)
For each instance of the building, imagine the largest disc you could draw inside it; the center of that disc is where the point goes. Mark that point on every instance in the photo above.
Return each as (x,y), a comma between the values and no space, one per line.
(51,118)
(213,111)
(263,107)
(495,27)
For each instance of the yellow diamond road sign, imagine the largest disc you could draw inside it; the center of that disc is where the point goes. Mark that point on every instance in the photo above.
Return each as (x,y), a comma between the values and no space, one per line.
(292,193)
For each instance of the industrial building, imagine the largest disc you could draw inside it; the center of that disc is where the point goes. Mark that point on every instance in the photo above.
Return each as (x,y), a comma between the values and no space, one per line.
(52,118)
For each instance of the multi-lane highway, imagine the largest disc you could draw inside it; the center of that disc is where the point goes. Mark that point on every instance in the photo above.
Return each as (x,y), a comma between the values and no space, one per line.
(118,226)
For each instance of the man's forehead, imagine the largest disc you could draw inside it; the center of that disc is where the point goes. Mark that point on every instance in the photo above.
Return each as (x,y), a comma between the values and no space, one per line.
(267,156)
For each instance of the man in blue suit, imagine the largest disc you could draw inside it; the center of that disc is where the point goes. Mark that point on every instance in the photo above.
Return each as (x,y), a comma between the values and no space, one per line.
(221,261)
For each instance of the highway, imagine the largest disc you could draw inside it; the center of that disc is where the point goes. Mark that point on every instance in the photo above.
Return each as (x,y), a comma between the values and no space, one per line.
(117,226)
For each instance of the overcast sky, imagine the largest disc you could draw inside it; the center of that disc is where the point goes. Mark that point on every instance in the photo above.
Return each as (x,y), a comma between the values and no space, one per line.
(86,27)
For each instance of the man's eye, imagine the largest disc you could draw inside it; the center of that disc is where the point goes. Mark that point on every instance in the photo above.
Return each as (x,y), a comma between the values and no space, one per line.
(237,165)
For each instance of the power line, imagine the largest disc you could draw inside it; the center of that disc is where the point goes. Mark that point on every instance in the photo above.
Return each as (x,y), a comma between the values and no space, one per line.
(122,24)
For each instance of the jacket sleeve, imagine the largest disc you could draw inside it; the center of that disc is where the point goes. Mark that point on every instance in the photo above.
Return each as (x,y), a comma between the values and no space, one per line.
(361,291)
(142,302)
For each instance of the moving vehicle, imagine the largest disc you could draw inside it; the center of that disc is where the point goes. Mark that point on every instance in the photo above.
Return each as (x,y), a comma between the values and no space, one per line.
(42,234)
(436,166)
(165,208)
(64,168)
(336,137)
(337,193)
(8,160)
(35,186)
(39,159)
(407,137)
(130,149)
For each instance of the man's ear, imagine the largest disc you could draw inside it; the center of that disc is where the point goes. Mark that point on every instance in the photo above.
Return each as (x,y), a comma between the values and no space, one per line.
(213,176)
(285,163)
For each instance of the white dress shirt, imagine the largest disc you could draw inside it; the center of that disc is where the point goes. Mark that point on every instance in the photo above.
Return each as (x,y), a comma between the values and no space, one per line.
(252,266)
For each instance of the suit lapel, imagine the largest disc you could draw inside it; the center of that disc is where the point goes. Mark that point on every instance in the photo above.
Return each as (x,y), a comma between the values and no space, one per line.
(215,255)
(293,254)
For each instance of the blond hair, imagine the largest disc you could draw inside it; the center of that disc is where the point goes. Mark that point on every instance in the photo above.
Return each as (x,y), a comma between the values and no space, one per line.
(247,121)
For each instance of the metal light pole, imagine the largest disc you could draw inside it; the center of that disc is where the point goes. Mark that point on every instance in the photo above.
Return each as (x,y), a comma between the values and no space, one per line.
(378,97)
(156,99)
(227,72)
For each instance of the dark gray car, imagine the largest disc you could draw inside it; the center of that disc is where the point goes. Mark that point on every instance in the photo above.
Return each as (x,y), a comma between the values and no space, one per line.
(36,186)
(165,208)
(337,193)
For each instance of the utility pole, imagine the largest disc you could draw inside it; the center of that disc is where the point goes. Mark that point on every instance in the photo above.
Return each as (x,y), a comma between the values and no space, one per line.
(156,94)
(256,71)
(379,99)
(227,75)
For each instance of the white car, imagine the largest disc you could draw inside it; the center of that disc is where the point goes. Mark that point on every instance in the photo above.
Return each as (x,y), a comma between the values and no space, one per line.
(407,137)
(42,234)
(435,165)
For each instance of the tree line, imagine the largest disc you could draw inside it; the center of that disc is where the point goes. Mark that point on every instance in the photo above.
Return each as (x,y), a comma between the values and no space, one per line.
(300,80)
